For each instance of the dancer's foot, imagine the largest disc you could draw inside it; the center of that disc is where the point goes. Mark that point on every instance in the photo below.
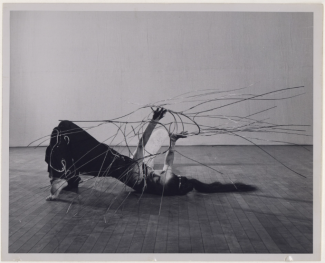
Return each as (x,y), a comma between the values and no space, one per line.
(176,136)
(50,198)
(57,186)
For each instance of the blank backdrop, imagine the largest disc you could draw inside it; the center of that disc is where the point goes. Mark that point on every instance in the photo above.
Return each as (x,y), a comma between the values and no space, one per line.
(100,65)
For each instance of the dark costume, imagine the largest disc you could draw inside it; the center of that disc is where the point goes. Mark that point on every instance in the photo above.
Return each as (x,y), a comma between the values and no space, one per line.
(73,151)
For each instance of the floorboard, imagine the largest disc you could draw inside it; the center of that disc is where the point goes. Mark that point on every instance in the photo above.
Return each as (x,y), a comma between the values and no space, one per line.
(111,218)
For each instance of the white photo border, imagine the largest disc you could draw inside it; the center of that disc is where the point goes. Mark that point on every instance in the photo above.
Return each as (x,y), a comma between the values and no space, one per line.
(316,9)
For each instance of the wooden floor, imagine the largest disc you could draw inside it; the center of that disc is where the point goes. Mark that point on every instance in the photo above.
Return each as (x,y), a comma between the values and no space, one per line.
(108,218)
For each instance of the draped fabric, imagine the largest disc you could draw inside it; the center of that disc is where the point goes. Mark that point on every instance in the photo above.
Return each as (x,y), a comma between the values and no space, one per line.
(73,150)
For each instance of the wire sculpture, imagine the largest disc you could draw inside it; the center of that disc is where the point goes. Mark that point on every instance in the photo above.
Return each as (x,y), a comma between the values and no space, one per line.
(73,152)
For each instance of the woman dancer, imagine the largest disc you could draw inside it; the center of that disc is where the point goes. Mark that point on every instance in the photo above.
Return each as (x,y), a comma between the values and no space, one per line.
(72,151)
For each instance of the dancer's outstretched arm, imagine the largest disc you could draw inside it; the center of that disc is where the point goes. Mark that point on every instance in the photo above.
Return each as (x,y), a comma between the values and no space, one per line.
(169,159)
(158,114)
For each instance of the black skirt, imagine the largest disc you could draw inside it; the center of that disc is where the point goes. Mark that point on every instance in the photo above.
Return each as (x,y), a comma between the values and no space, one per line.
(72,150)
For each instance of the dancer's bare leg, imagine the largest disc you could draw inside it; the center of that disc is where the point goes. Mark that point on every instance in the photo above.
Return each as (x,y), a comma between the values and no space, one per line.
(169,159)
(139,152)
(153,146)
(57,186)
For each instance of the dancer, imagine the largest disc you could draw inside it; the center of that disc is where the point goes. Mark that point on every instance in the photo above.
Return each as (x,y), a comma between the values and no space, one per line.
(73,151)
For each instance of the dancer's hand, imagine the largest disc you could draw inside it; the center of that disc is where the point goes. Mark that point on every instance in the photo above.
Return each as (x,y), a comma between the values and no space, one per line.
(176,136)
(158,114)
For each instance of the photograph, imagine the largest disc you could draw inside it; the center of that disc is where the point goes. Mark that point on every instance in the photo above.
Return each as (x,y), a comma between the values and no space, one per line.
(161,132)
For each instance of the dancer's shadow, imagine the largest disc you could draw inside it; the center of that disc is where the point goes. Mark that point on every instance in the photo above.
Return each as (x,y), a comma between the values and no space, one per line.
(104,197)
(216,187)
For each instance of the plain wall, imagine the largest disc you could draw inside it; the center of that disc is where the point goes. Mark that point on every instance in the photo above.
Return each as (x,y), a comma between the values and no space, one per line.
(101,65)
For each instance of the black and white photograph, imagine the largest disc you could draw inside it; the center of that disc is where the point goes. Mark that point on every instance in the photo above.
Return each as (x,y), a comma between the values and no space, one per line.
(154,132)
